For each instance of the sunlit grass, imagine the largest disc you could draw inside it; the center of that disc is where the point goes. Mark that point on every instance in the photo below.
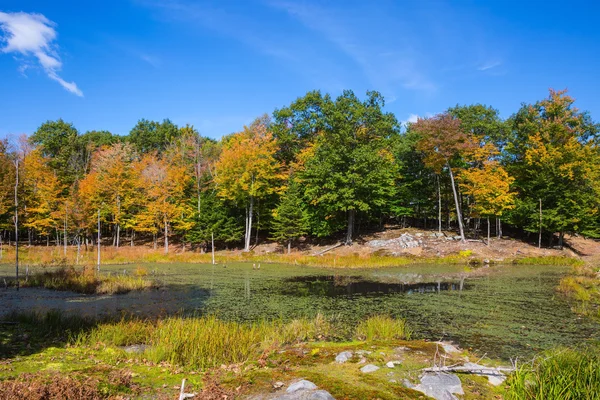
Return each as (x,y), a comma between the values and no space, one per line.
(85,280)
(560,375)
(40,255)
(383,328)
(583,286)
(548,260)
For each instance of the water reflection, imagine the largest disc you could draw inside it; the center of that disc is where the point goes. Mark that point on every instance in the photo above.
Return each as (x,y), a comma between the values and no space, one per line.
(335,285)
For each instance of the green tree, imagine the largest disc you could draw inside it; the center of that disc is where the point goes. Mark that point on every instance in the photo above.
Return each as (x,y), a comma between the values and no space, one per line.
(295,127)
(349,167)
(218,219)
(151,136)
(553,155)
(290,217)
(58,141)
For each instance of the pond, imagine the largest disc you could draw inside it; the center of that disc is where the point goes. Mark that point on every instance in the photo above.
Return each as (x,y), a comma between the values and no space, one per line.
(501,311)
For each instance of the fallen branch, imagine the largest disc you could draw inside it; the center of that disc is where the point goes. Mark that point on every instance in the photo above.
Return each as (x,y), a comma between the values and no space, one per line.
(328,249)
(470,370)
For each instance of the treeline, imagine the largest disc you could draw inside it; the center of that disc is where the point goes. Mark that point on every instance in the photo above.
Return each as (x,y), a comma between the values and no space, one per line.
(320,167)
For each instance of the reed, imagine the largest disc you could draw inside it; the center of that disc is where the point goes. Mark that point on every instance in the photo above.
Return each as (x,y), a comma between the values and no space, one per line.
(86,280)
(561,375)
(383,328)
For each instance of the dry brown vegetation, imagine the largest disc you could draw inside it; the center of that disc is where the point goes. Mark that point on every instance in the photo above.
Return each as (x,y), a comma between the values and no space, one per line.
(41,386)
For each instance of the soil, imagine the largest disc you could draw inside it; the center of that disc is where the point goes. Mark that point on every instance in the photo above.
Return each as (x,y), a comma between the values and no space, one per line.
(432,245)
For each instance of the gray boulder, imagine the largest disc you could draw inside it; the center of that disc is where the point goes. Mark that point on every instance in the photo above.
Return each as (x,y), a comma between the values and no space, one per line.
(369,368)
(440,386)
(343,357)
(301,385)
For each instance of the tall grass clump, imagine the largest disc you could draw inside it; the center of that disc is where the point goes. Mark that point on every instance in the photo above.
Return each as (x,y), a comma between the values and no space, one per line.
(204,342)
(562,375)
(86,280)
(383,328)
(583,286)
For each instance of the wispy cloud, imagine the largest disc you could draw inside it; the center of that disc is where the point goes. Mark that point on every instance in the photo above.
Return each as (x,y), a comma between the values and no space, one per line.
(489,65)
(386,64)
(33,35)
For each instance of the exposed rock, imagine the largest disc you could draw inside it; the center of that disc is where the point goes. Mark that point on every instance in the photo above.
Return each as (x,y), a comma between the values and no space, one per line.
(278,385)
(440,386)
(405,241)
(369,368)
(390,364)
(408,384)
(135,348)
(363,352)
(343,357)
(301,385)
(306,395)
(449,348)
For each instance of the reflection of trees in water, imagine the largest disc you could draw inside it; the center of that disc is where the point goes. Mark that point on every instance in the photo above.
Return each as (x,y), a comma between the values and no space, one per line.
(339,285)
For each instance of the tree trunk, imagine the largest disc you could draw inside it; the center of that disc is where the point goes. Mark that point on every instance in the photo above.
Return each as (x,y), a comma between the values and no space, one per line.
(212,237)
(65,233)
(99,240)
(540,234)
(561,236)
(249,224)
(289,246)
(166,237)
(458,214)
(17,221)
(118,234)
(439,205)
(488,226)
(350,229)
(131,240)
(499,228)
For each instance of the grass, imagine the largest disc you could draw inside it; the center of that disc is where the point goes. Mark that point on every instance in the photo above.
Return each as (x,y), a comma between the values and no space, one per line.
(583,286)
(200,342)
(86,280)
(383,328)
(41,255)
(548,260)
(204,342)
(561,375)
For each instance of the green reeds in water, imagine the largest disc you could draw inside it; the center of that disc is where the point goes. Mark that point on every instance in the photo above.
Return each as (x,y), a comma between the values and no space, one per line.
(383,328)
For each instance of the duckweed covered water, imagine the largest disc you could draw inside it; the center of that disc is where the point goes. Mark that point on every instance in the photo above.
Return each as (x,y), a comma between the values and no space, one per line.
(504,311)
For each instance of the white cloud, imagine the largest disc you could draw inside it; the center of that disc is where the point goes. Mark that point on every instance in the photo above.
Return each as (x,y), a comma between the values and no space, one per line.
(33,35)
(412,118)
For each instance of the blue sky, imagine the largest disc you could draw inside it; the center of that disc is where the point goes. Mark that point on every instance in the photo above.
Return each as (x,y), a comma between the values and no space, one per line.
(218,64)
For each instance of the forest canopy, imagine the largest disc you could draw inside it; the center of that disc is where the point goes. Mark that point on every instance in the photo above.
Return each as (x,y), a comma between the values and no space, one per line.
(321,167)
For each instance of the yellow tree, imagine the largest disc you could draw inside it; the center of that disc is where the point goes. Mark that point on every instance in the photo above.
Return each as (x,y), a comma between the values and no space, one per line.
(489,185)
(7,182)
(43,190)
(247,169)
(163,186)
(110,185)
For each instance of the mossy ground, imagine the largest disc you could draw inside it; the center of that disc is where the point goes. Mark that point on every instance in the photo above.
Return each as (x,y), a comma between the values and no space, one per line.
(313,361)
